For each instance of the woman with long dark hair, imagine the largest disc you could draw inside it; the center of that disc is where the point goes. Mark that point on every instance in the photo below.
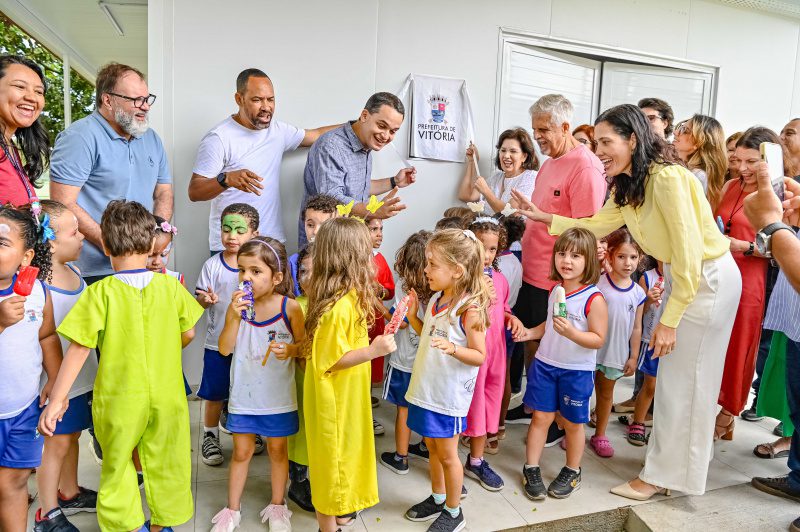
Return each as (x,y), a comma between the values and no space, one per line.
(24,144)
(740,362)
(665,209)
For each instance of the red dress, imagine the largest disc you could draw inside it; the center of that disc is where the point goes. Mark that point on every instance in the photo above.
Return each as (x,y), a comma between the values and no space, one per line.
(740,362)
(383,274)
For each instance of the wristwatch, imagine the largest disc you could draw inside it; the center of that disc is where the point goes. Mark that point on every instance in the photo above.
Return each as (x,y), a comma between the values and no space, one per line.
(221,180)
(764,238)
(392,182)
(750,250)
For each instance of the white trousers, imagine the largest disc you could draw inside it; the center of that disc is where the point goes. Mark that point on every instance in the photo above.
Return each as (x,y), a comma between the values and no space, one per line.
(688,383)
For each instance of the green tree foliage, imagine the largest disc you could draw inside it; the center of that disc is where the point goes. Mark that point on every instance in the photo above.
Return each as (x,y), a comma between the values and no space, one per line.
(14,41)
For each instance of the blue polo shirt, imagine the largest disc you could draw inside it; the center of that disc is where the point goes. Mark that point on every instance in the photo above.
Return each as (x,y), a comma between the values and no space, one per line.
(106,166)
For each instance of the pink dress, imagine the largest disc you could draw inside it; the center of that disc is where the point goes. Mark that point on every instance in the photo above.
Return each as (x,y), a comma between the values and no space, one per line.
(484,411)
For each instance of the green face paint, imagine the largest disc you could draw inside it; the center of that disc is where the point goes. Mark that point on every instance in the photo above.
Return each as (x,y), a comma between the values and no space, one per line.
(235,223)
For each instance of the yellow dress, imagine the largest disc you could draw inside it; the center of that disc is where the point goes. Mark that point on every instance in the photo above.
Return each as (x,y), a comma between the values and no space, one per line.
(298,451)
(338,415)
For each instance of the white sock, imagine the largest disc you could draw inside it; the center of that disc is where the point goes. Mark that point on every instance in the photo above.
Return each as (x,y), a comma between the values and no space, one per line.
(213,430)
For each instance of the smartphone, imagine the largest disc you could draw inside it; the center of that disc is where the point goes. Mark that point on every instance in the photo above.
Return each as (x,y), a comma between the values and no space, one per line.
(772,154)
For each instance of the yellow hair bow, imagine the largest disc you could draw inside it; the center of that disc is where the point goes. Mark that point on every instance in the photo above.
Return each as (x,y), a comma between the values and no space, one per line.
(344,210)
(374,204)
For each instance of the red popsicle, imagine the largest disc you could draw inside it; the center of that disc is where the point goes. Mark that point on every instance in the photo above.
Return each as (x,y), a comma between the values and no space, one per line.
(25,280)
(399,315)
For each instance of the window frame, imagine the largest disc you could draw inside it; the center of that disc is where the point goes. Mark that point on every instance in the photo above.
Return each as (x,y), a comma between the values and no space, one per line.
(515,37)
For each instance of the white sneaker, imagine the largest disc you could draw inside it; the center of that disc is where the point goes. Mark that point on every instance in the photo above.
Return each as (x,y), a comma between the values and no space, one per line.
(278,516)
(377,427)
(226,520)
(259,448)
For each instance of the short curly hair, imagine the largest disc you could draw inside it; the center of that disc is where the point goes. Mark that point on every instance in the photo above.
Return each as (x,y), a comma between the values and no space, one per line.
(322,203)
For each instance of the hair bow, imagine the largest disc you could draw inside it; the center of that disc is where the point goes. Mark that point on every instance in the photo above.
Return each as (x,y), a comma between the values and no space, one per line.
(344,210)
(374,204)
(166,227)
(470,234)
(47,232)
(508,210)
(476,206)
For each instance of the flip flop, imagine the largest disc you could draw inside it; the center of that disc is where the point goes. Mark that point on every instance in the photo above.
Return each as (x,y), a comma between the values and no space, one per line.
(770,454)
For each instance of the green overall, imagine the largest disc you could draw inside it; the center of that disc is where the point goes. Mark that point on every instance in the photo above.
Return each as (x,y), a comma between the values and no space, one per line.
(139,399)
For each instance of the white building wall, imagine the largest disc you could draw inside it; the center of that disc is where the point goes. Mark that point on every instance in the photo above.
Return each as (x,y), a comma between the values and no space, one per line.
(326,58)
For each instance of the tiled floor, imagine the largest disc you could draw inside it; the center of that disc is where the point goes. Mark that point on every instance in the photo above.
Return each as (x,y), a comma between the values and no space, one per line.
(733,464)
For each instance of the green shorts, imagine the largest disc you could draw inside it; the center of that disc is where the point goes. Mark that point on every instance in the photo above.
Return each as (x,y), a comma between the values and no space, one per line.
(611,374)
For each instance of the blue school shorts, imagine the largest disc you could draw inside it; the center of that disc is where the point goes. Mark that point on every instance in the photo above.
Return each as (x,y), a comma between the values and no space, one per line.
(215,384)
(269,425)
(647,364)
(434,425)
(395,386)
(20,442)
(78,416)
(553,389)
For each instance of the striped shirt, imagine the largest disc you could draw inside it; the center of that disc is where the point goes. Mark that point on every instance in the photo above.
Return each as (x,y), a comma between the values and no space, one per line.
(783,312)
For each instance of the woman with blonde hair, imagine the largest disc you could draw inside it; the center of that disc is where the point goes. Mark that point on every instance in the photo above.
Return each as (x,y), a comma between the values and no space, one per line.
(700,143)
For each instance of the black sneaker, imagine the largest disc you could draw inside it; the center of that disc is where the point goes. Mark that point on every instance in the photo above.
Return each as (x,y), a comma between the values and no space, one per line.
(300,493)
(84,501)
(389,459)
(532,483)
(517,416)
(54,521)
(554,435)
(419,450)
(140,479)
(778,430)
(464,492)
(425,510)
(750,414)
(211,450)
(94,448)
(795,526)
(375,402)
(776,486)
(565,483)
(447,523)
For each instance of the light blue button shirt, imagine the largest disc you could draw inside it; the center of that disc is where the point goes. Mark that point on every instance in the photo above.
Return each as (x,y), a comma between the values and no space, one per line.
(783,311)
(106,166)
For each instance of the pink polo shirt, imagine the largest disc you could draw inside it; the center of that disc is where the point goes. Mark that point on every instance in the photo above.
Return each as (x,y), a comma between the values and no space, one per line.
(574,185)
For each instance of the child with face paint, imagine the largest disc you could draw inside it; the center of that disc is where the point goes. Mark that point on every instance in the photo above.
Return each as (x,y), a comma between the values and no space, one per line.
(58,476)
(28,346)
(218,279)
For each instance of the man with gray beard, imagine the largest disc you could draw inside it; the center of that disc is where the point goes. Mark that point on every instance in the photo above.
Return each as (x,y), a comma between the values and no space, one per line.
(111,154)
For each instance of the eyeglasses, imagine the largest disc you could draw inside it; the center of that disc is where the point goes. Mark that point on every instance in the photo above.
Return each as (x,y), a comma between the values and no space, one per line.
(682,128)
(139,101)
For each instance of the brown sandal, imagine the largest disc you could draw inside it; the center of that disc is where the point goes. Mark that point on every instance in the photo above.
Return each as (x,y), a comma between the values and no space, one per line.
(724,431)
(767,451)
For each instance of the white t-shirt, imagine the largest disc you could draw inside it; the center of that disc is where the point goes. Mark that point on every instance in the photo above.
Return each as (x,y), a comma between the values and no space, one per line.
(138,279)
(502,187)
(21,354)
(653,314)
(223,280)
(63,301)
(406,339)
(511,268)
(439,382)
(262,389)
(622,306)
(559,351)
(231,146)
